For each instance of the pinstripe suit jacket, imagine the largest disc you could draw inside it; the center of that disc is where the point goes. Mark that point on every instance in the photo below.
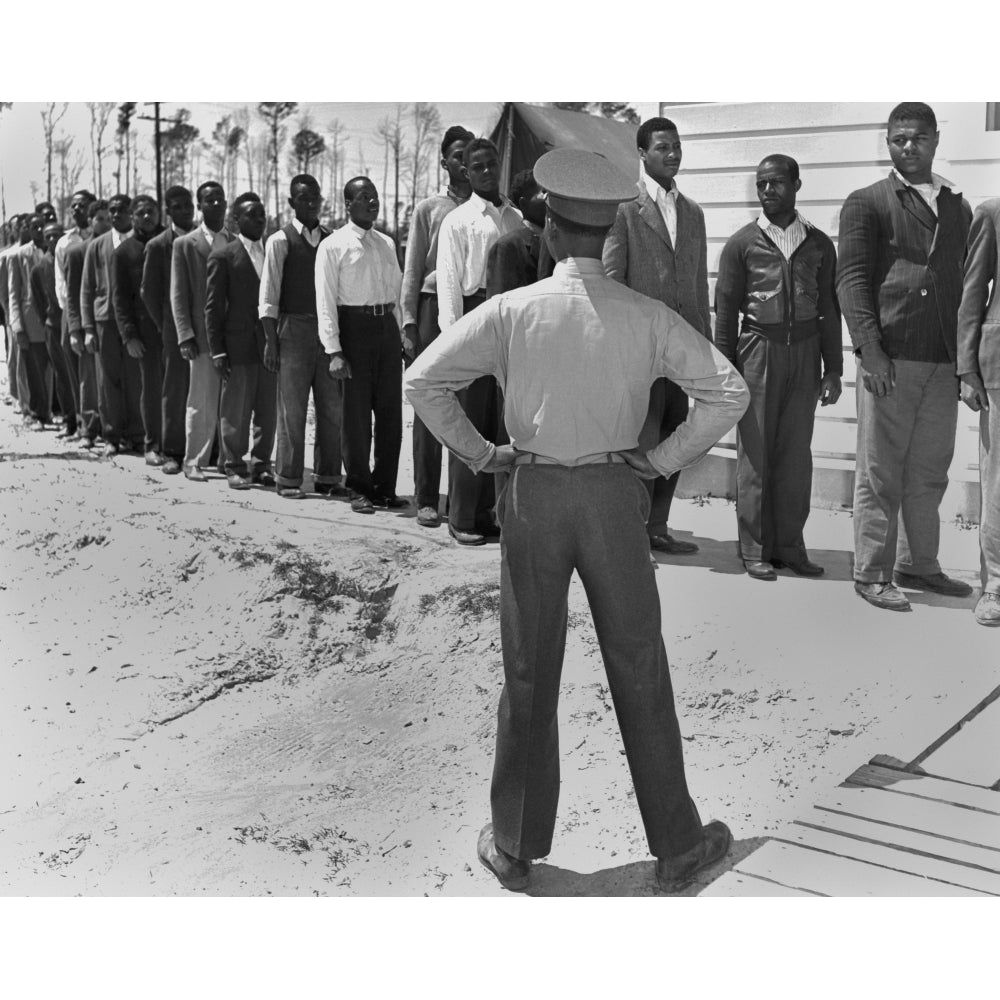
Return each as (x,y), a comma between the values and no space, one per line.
(899,275)
(979,313)
(639,254)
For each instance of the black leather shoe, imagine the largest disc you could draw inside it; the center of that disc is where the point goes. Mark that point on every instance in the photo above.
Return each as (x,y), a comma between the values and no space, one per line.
(512,873)
(170,467)
(760,570)
(238,482)
(466,537)
(801,567)
(391,502)
(362,505)
(936,583)
(672,546)
(265,479)
(331,490)
(673,874)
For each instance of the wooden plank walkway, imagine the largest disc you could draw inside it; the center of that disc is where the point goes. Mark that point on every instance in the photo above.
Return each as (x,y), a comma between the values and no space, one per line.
(894,828)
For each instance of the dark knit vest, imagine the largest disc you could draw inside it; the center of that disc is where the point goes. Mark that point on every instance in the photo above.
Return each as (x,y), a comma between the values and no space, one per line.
(298,281)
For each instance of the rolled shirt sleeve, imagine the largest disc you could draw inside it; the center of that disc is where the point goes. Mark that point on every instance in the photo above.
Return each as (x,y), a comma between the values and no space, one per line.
(275,254)
(327,282)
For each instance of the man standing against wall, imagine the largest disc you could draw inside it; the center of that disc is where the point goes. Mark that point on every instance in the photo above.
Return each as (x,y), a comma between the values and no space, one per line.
(657,246)
(778,271)
(419,302)
(899,282)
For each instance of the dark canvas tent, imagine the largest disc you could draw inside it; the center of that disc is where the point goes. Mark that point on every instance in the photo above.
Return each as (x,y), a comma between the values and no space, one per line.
(526,131)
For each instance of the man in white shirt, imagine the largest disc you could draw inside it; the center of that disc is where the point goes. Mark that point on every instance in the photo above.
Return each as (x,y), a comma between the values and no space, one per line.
(575,355)
(358,282)
(466,237)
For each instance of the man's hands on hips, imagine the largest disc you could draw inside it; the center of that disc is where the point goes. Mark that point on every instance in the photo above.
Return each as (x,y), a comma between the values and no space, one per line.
(502,460)
(973,392)
(877,370)
(829,390)
(340,367)
(640,464)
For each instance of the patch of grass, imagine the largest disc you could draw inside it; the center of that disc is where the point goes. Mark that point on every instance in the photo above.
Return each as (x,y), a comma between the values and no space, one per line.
(469,601)
(336,845)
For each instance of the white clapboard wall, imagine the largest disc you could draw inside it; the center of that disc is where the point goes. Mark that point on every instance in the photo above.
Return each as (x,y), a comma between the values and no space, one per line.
(839,147)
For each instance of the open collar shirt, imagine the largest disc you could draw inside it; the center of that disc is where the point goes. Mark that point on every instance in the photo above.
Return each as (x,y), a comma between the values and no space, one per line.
(465,239)
(786,240)
(666,202)
(71,236)
(575,355)
(929,192)
(354,267)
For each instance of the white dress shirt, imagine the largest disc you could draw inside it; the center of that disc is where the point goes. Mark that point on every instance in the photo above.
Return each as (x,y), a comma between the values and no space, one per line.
(929,192)
(275,255)
(467,234)
(256,251)
(71,236)
(666,202)
(354,267)
(575,355)
(117,238)
(787,240)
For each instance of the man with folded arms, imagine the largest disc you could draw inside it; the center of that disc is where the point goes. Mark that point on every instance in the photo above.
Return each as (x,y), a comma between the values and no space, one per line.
(778,271)
(575,355)
(236,342)
(357,297)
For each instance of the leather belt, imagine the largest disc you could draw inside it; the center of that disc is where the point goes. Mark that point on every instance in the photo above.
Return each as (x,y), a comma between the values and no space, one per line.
(530,458)
(382,309)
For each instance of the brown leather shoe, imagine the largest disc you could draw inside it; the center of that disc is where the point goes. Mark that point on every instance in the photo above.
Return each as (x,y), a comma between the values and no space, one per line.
(512,873)
(936,583)
(801,567)
(882,595)
(988,609)
(672,546)
(760,570)
(428,517)
(673,874)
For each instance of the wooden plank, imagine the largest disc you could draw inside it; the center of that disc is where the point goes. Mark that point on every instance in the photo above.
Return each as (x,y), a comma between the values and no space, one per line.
(801,868)
(736,185)
(774,116)
(890,856)
(973,753)
(732,150)
(913,813)
(874,776)
(910,840)
(721,221)
(735,884)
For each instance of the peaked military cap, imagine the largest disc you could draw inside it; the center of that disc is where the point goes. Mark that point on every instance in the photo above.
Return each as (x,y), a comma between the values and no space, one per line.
(582,186)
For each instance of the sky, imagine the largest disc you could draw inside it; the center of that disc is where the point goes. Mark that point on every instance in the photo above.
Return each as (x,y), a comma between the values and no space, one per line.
(22,145)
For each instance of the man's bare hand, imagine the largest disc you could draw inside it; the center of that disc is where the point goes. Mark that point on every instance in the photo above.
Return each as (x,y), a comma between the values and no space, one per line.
(272,360)
(877,370)
(410,342)
(135,347)
(973,392)
(188,350)
(76,344)
(829,390)
(340,367)
(90,343)
(640,464)
(502,460)
(221,364)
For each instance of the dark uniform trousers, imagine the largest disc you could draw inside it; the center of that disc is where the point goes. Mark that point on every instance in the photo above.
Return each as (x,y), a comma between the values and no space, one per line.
(668,409)
(62,379)
(118,387)
(150,367)
(89,394)
(591,518)
(304,366)
(426,447)
(33,381)
(73,370)
(249,396)
(773,446)
(371,345)
(472,495)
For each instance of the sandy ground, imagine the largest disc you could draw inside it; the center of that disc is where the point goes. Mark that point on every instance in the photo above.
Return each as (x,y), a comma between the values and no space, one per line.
(215,693)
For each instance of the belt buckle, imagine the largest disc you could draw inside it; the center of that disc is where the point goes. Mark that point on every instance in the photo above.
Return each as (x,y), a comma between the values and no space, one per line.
(378,310)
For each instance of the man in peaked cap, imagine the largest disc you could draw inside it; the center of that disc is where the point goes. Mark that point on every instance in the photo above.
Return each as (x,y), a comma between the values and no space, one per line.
(575,355)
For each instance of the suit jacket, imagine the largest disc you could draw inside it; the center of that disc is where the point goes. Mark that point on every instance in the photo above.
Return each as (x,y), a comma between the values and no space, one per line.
(517,259)
(155,287)
(231,298)
(131,315)
(899,272)
(188,274)
(43,292)
(75,255)
(979,313)
(639,253)
(95,287)
(23,316)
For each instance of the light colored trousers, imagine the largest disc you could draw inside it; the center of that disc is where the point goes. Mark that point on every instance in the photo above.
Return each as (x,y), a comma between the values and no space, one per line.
(905,444)
(989,481)
(201,421)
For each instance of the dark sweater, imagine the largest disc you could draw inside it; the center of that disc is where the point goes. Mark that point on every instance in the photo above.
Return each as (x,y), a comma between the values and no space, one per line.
(783,300)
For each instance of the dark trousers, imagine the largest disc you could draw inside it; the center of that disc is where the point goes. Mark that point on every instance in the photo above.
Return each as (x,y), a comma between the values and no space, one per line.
(33,381)
(773,446)
(668,409)
(62,379)
(73,368)
(11,344)
(304,366)
(249,397)
(89,394)
(173,398)
(119,388)
(426,447)
(372,347)
(150,367)
(471,495)
(591,519)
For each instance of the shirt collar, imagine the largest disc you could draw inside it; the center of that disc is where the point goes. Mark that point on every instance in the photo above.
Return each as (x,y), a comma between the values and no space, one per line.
(209,235)
(937,182)
(299,226)
(358,230)
(655,190)
(251,245)
(528,224)
(485,206)
(580,266)
(765,223)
